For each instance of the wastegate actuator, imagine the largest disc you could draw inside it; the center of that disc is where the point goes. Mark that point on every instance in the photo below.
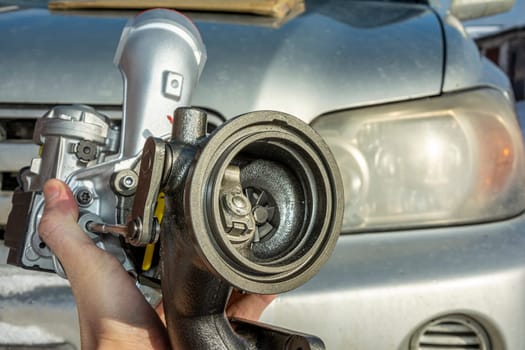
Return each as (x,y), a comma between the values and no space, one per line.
(254,205)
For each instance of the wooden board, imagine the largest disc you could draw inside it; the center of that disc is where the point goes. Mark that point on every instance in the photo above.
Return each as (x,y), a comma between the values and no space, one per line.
(273,8)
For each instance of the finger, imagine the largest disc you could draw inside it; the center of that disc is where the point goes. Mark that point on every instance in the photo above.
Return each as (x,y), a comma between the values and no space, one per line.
(60,231)
(248,306)
(159,309)
(58,227)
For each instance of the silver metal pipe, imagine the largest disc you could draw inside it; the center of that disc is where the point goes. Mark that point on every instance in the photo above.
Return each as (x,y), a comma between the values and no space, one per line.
(161,56)
(98,227)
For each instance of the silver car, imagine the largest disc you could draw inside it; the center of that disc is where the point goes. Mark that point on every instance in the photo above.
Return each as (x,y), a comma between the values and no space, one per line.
(424,129)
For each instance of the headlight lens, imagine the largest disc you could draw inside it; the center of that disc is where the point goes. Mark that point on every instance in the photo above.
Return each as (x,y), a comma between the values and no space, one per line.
(451,159)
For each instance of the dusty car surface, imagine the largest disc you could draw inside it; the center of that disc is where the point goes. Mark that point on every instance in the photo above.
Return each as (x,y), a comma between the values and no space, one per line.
(424,130)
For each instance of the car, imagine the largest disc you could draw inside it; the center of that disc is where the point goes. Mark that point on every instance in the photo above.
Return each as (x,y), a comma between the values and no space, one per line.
(424,130)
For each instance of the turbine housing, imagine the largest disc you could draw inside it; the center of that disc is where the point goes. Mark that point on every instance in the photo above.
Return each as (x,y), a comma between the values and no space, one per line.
(263,202)
(256,205)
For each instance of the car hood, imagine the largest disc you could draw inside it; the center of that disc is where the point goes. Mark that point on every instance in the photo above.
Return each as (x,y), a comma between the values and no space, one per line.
(328,58)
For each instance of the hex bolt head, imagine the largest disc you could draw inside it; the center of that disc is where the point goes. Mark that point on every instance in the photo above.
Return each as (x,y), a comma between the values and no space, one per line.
(127,182)
(124,182)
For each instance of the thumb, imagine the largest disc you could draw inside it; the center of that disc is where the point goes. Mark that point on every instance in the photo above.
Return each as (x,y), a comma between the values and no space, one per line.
(248,306)
(58,227)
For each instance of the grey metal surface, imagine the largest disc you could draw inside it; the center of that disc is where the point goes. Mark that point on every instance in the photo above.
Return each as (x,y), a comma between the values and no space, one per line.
(323,60)
(306,56)
(15,155)
(42,51)
(378,289)
(161,56)
(465,67)
(35,307)
(29,111)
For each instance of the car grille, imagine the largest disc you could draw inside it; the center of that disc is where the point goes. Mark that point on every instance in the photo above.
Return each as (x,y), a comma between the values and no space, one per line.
(456,332)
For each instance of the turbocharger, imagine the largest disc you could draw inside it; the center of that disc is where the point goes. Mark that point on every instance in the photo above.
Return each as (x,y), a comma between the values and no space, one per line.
(255,205)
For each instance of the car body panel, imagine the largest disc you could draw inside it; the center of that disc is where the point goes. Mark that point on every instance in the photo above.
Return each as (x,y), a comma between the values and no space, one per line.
(35,308)
(43,53)
(326,63)
(390,283)
(465,67)
(305,55)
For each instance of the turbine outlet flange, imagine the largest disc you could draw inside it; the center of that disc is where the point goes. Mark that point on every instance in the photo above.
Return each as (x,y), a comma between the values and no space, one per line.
(265,202)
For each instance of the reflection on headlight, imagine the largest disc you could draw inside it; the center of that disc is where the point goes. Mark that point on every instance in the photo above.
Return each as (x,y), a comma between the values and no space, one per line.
(451,159)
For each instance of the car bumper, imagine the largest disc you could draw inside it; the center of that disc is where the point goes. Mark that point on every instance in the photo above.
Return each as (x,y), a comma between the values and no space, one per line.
(36,309)
(378,289)
(374,293)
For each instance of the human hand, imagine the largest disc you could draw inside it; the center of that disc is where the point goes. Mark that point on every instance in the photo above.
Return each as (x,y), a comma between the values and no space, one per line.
(112,311)
(113,314)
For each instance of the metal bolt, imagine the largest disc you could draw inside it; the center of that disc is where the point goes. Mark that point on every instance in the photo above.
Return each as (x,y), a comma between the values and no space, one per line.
(174,83)
(84,197)
(30,254)
(127,182)
(86,151)
(124,182)
(137,236)
(238,204)
(135,229)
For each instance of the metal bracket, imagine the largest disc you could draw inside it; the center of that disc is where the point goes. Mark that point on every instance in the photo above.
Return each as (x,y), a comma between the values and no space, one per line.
(236,209)
(144,228)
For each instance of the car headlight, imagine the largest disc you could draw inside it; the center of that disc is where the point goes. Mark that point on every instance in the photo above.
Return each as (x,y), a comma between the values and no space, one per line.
(446,160)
